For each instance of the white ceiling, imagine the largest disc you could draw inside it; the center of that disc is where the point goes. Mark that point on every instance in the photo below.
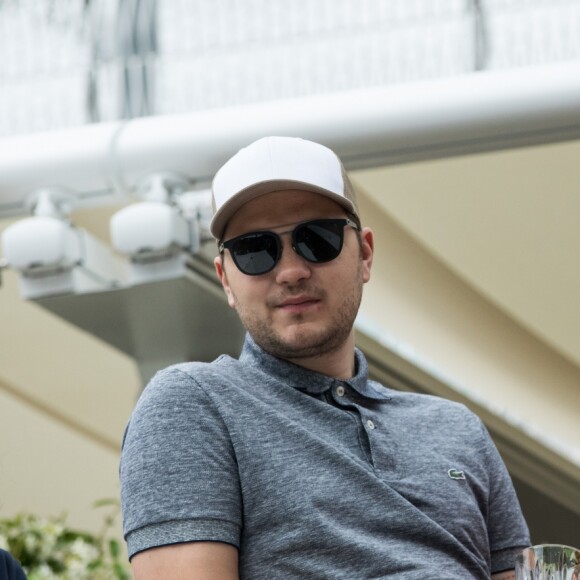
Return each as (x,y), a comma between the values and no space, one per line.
(507,222)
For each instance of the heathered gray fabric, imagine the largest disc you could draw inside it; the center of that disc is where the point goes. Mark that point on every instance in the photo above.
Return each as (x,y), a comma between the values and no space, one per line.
(269,457)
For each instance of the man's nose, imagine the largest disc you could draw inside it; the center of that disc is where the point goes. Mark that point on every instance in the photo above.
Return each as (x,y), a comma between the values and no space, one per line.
(291,267)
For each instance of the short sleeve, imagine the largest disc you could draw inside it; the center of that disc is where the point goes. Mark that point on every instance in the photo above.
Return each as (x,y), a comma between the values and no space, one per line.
(178,471)
(507,529)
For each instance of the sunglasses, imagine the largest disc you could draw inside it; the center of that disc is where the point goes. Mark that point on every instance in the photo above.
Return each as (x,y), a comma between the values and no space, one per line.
(317,241)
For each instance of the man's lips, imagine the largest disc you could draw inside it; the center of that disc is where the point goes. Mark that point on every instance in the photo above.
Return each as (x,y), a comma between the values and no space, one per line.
(297,303)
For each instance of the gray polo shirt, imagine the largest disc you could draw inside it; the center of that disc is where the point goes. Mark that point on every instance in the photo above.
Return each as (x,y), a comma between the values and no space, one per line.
(313,477)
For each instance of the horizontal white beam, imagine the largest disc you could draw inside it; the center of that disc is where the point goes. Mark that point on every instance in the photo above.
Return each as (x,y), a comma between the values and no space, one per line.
(371,127)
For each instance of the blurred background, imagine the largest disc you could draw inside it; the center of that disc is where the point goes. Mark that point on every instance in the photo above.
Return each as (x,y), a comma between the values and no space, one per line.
(459,123)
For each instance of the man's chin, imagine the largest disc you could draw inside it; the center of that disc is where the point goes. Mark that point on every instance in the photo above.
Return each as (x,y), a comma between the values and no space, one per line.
(303,344)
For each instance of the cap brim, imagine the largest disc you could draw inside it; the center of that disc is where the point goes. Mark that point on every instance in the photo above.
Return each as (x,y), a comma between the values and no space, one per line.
(228,209)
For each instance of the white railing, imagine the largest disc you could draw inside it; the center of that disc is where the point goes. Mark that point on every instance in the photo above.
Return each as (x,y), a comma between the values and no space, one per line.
(370,127)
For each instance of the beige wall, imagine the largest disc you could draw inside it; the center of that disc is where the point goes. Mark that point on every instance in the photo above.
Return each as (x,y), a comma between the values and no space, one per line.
(47,468)
(64,400)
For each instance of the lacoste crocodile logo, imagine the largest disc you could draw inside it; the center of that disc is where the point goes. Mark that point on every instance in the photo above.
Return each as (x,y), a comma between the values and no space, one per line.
(456,474)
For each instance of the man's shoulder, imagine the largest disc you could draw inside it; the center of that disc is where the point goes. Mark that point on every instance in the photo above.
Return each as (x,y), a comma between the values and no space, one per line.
(177,394)
(219,368)
(186,380)
(197,371)
(421,404)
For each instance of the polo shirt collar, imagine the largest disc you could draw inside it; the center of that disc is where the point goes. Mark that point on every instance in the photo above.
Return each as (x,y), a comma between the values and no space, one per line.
(304,379)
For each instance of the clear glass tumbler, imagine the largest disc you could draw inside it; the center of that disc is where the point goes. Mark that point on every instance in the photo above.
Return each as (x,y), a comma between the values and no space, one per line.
(548,562)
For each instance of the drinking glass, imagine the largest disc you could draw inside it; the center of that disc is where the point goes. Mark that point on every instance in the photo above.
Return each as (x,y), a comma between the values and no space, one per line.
(548,562)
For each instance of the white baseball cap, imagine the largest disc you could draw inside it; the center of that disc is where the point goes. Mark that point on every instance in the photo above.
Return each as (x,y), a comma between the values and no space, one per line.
(276,164)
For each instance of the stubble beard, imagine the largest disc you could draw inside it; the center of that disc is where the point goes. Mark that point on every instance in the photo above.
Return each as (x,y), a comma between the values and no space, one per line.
(303,342)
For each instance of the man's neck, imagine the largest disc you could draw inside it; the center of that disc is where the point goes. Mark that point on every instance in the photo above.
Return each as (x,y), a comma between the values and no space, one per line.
(340,364)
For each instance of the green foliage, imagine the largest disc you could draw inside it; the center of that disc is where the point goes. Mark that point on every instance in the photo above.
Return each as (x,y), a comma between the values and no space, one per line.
(48,549)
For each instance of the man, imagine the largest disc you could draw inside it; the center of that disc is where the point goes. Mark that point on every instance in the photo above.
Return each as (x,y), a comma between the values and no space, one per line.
(289,463)
(10,568)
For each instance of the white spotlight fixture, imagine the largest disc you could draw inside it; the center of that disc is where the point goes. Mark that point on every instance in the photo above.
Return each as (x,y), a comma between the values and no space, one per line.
(51,255)
(45,244)
(158,233)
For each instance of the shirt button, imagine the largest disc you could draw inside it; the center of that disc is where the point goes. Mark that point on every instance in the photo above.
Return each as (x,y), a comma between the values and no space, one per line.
(370,424)
(340,391)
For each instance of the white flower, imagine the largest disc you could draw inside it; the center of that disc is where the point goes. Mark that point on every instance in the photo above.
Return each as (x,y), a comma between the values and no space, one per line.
(83,552)
(43,572)
(76,569)
(46,540)
(30,541)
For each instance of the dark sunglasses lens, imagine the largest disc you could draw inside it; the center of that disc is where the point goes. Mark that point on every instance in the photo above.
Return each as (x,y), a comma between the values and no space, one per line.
(255,253)
(319,241)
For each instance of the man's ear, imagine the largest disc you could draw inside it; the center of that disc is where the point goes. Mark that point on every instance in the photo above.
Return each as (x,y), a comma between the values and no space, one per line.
(221,274)
(367,252)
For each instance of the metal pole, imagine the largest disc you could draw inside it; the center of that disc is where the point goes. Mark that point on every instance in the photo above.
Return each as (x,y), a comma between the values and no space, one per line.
(481,45)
